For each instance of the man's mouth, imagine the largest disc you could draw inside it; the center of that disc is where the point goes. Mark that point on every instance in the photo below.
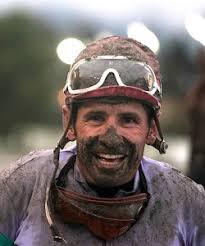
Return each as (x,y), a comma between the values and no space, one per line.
(109,160)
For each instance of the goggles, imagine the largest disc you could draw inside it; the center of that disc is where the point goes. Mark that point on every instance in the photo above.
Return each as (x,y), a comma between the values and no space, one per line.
(91,74)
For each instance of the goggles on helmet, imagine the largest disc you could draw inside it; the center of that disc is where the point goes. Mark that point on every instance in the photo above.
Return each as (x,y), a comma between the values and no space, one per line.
(90,74)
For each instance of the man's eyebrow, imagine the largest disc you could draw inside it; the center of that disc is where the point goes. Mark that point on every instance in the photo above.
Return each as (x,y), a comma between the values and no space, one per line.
(133,115)
(129,114)
(94,113)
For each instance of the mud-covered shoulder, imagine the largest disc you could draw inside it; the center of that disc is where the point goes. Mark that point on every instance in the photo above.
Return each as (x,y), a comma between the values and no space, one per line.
(179,180)
(177,188)
(190,199)
(29,163)
(191,193)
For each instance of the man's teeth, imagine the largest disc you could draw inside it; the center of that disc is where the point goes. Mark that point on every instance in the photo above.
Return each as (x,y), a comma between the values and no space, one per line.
(110,157)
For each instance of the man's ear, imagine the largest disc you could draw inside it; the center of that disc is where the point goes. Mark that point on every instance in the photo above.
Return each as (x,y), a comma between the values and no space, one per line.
(65,119)
(152,134)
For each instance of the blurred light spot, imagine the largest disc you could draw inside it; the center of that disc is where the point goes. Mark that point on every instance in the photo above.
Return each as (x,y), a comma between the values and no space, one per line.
(68,49)
(195,25)
(141,33)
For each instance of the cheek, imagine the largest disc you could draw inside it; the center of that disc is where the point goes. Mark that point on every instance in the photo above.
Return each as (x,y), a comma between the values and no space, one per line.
(87,131)
(136,136)
(84,135)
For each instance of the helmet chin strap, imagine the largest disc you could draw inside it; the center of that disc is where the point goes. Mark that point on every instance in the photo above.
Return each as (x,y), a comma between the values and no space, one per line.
(56,153)
(159,144)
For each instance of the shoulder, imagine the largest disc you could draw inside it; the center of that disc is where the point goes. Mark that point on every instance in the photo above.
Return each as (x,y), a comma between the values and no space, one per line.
(167,180)
(27,163)
(30,165)
(177,198)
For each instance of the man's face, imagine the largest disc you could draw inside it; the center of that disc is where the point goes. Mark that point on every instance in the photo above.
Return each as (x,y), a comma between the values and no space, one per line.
(110,141)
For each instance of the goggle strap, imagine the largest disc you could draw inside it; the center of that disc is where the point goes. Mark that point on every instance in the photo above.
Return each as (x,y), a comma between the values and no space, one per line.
(56,154)
(56,235)
(158,126)
(159,144)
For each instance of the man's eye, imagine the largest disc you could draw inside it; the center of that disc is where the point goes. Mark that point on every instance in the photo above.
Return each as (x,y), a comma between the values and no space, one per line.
(95,118)
(129,120)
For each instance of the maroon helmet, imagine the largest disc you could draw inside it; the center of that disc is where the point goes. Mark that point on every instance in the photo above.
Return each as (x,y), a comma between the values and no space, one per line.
(117,67)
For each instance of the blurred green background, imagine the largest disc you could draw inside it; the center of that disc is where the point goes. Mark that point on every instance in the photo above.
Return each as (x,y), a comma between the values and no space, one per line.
(31,74)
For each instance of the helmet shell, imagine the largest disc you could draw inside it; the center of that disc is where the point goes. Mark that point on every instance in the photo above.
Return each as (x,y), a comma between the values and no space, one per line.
(119,46)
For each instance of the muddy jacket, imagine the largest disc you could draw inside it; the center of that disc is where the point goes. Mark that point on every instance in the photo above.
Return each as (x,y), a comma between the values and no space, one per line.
(175,214)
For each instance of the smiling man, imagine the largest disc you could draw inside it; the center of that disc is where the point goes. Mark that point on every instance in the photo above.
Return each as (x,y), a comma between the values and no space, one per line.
(111,138)
(103,190)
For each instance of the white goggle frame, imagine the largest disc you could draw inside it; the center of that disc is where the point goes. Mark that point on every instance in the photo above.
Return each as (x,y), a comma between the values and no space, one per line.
(154,88)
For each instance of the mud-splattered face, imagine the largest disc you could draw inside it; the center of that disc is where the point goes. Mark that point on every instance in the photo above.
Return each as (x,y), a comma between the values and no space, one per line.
(110,141)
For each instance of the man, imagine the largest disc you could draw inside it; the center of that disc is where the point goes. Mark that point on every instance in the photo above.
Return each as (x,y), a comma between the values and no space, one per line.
(104,191)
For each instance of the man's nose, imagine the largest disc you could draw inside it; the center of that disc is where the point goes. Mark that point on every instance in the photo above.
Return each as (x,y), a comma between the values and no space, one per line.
(112,122)
(111,137)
